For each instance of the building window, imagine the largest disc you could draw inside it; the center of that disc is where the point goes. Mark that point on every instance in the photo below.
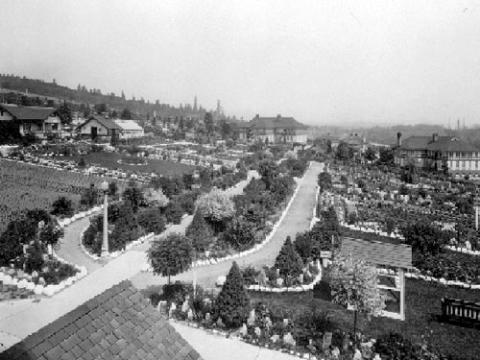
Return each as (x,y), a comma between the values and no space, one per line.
(458,164)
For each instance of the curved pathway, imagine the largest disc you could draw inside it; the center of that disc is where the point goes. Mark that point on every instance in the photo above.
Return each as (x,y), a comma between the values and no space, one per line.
(18,319)
(296,220)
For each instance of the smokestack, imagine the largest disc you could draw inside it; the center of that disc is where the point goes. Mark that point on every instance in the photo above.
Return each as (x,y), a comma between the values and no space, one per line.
(399,139)
(434,137)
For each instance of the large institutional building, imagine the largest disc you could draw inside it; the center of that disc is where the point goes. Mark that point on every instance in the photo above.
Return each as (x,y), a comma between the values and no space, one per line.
(441,153)
(273,130)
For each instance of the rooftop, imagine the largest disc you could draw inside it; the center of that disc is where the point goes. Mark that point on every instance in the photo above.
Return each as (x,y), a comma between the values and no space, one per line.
(378,253)
(278,122)
(108,123)
(28,112)
(118,323)
(130,125)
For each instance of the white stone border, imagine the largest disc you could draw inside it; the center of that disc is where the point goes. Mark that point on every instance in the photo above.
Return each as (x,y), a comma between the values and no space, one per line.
(82,214)
(463,250)
(443,281)
(257,247)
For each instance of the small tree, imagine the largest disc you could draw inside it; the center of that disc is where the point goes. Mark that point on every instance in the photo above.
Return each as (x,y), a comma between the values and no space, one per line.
(134,195)
(216,206)
(425,237)
(240,233)
(49,235)
(232,304)
(354,282)
(200,232)
(171,255)
(325,181)
(156,197)
(62,206)
(151,220)
(288,262)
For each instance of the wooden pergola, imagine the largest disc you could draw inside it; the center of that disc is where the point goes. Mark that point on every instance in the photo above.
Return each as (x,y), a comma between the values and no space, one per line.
(391,261)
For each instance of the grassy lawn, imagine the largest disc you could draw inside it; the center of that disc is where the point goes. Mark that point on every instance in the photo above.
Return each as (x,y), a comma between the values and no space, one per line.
(422,310)
(110,161)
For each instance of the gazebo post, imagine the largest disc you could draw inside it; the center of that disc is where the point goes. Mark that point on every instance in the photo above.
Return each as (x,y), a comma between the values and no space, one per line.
(401,276)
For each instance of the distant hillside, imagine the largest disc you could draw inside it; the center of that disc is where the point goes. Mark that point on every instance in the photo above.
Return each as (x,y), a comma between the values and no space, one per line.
(13,88)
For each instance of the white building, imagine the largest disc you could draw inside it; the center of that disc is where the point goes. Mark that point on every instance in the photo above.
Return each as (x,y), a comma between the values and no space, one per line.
(130,129)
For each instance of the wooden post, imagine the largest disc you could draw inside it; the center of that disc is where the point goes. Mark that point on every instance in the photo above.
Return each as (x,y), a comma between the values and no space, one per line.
(401,277)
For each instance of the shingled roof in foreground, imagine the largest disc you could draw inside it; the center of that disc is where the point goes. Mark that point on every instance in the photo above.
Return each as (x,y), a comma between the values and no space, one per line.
(117,324)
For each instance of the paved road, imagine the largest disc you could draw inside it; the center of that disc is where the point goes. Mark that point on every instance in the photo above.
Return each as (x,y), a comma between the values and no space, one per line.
(296,220)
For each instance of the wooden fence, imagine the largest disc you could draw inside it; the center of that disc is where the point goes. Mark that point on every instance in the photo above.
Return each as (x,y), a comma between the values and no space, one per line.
(461,311)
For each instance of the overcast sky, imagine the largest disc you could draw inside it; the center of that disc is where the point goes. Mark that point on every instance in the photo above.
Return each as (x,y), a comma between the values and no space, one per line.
(335,61)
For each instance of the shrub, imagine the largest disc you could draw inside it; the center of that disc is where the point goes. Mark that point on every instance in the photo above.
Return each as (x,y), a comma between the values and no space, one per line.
(62,207)
(240,234)
(174,212)
(232,304)
(34,257)
(151,220)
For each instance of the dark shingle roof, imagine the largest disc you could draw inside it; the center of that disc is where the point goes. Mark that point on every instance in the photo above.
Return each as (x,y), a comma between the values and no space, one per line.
(446,143)
(415,143)
(378,253)
(278,122)
(117,324)
(108,123)
(28,112)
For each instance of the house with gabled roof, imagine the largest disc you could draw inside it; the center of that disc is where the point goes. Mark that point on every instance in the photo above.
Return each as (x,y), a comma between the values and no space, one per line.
(441,153)
(98,127)
(33,120)
(273,130)
(117,324)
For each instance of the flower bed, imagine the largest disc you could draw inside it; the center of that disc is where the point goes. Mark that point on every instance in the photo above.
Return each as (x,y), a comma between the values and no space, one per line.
(272,286)
(54,277)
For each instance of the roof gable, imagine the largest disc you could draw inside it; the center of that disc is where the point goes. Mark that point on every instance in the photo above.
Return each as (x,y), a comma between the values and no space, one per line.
(447,143)
(117,323)
(28,112)
(378,253)
(107,123)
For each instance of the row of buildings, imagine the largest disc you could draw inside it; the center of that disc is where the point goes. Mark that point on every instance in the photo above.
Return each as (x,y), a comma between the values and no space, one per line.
(43,122)
(441,153)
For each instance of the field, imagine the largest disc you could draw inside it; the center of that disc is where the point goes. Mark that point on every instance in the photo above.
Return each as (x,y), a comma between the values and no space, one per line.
(26,186)
(422,311)
(110,161)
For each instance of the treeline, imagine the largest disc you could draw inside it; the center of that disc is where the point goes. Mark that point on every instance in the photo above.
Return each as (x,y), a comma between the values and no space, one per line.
(44,93)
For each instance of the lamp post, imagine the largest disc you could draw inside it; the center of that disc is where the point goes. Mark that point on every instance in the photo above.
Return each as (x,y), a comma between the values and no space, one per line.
(104,188)
(476,204)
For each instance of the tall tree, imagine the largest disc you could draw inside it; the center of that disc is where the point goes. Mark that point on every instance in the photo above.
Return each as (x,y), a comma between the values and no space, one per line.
(64,111)
(232,304)
(126,114)
(200,232)
(209,124)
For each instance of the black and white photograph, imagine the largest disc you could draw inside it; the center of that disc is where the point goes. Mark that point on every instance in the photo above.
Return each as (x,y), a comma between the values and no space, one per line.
(239,180)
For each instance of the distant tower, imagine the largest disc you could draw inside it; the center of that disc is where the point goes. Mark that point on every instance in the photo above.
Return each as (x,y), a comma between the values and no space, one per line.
(219,107)
(195,108)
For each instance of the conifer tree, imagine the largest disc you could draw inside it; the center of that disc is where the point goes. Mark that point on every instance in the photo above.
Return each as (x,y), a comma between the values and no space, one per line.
(232,304)
(288,262)
(200,232)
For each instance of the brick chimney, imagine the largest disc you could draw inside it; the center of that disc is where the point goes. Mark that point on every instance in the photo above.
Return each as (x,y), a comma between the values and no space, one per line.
(434,137)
